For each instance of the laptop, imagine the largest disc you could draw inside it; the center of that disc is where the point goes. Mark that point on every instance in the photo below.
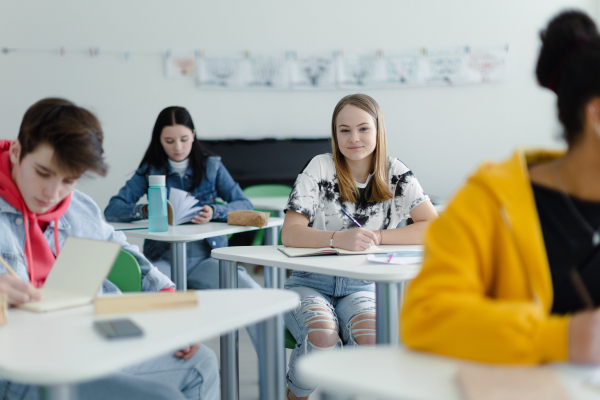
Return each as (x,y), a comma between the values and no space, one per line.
(77,274)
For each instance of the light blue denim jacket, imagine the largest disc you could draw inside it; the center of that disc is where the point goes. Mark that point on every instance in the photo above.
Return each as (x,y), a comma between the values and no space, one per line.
(216,182)
(82,219)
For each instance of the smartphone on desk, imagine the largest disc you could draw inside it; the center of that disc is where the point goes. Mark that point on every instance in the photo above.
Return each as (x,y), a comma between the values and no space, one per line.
(118,328)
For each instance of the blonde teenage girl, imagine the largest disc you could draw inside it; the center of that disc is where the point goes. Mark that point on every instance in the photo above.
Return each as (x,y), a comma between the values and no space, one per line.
(378,192)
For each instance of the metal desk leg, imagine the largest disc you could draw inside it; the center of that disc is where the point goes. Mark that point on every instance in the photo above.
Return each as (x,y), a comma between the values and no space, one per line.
(271,273)
(178,265)
(57,392)
(230,377)
(271,359)
(386,297)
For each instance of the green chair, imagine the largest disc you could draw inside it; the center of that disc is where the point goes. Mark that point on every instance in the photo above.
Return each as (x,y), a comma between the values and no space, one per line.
(288,339)
(126,273)
(266,191)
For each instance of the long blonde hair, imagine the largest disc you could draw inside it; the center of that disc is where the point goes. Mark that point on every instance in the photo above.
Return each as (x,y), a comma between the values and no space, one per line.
(378,188)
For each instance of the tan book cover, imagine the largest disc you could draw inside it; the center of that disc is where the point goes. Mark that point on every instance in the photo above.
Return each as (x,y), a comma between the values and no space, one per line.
(510,383)
(142,302)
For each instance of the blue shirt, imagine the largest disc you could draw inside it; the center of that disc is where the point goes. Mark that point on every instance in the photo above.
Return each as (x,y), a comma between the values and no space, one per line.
(216,182)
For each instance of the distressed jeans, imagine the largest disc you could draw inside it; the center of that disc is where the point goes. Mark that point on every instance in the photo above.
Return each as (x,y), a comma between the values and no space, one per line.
(316,306)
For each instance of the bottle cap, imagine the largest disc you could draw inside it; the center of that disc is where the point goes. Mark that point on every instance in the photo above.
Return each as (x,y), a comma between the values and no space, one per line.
(156,180)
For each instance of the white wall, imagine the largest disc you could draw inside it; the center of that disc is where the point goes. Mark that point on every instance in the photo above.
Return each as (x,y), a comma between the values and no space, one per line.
(440,132)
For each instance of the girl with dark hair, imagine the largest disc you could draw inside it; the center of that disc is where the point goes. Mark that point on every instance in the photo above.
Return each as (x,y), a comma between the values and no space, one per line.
(511,272)
(350,199)
(175,151)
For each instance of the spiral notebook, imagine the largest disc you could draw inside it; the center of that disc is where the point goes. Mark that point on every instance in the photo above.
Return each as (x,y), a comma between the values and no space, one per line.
(326,251)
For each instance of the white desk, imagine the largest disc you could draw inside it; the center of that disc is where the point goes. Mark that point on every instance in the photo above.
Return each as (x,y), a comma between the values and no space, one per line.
(179,235)
(127,226)
(276,203)
(386,277)
(397,373)
(62,348)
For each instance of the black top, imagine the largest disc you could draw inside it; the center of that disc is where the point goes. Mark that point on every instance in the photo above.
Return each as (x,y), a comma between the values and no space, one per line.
(568,243)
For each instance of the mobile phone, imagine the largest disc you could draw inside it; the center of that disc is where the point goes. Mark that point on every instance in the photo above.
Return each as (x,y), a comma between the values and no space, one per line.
(118,328)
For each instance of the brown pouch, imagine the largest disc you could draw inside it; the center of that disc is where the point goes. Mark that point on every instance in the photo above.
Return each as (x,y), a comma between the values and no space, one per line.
(248,218)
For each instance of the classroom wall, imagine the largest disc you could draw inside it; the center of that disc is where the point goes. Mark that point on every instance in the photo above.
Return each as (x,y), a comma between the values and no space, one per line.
(442,133)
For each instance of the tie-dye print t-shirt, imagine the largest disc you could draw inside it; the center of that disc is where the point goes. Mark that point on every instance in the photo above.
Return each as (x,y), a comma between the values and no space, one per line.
(316,195)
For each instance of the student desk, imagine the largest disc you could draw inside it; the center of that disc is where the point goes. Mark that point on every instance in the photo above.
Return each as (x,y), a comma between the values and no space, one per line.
(59,349)
(179,235)
(399,373)
(386,277)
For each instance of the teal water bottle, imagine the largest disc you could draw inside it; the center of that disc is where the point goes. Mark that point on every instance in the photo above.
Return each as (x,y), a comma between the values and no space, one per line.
(158,216)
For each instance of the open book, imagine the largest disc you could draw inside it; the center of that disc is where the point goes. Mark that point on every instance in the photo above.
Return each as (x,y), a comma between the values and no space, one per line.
(77,274)
(326,251)
(182,208)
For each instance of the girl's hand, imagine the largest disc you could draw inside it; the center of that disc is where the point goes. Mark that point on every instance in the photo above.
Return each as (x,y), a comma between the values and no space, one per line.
(188,352)
(584,337)
(203,216)
(357,239)
(17,291)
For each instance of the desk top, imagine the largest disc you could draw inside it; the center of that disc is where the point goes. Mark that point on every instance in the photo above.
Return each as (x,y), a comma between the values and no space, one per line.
(193,232)
(126,226)
(398,373)
(355,267)
(62,347)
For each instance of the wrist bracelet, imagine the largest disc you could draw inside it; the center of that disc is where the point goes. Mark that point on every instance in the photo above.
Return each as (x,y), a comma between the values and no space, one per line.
(331,240)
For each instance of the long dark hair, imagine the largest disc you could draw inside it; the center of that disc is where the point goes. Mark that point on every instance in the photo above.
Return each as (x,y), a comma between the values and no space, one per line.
(568,65)
(155,154)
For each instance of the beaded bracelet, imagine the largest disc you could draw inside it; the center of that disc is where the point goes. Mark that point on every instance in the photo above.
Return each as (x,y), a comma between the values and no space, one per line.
(331,240)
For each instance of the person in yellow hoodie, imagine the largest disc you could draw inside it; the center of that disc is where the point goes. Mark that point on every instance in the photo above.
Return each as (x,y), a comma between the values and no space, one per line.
(497,278)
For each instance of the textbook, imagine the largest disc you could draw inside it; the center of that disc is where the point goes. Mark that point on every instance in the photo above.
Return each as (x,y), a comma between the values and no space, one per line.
(182,208)
(140,302)
(77,274)
(326,251)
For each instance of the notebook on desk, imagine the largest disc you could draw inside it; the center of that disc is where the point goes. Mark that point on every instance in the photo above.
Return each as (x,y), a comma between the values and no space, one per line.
(326,251)
(77,274)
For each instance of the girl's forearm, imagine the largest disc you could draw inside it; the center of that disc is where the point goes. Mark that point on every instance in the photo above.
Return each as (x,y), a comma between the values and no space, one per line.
(304,236)
(410,234)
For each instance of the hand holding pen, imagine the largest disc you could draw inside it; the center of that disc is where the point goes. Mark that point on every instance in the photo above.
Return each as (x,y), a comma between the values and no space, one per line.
(354,239)
(16,290)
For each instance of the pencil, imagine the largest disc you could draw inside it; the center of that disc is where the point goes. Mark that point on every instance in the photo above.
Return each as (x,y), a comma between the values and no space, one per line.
(8,268)
(351,218)
(391,257)
(582,292)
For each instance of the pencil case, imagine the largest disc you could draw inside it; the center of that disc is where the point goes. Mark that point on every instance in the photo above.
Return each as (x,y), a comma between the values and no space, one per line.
(248,218)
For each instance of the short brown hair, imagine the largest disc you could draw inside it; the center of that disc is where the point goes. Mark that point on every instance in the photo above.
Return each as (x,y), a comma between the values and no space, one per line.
(378,188)
(73,132)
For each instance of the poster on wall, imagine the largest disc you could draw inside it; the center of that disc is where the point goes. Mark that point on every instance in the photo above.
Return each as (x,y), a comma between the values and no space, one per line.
(222,72)
(488,64)
(268,72)
(312,71)
(180,65)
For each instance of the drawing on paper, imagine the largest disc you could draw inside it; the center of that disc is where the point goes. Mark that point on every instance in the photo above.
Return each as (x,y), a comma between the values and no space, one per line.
(312,72)
(490,64)
(180,65)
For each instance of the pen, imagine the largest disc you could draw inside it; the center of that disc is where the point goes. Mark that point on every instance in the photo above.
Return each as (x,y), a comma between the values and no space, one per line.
(391,257)
(351,218)
(582,292)
(8,268)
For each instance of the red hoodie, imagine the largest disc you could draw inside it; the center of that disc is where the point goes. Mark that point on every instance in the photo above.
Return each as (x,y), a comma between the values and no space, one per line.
(37,251)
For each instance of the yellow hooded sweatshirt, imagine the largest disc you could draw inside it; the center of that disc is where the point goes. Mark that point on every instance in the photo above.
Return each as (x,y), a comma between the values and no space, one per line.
(485,290)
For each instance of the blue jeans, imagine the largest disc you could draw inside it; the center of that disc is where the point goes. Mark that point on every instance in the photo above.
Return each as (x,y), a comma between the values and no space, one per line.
(162,378)
(203,273)
(327,299)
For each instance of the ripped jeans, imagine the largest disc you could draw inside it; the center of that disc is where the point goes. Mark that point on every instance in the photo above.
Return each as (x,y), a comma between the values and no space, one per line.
(342,319)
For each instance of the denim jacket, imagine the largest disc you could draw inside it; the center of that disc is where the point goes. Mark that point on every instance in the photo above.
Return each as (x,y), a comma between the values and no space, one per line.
(82,219)
(216,182)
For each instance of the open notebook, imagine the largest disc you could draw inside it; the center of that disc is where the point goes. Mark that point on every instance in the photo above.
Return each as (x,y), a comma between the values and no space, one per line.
(77,274)
(326,251)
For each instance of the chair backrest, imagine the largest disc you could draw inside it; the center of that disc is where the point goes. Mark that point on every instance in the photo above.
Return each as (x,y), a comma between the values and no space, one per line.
(126,273)
(267,190)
